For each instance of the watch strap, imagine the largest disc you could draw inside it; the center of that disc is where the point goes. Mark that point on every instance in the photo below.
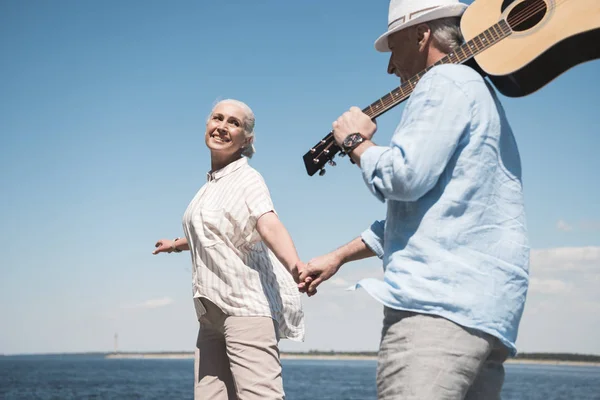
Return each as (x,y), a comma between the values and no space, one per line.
(358,139)
(173,247)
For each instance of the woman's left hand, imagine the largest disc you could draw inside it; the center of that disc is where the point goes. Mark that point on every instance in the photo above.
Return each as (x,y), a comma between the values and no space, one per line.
(163,246)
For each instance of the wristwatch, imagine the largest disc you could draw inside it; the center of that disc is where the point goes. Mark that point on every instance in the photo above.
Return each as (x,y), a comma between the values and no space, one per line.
(351,142)
(174,248)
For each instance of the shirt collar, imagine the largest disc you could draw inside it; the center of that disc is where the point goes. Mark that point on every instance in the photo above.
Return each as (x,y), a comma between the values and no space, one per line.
(226,170)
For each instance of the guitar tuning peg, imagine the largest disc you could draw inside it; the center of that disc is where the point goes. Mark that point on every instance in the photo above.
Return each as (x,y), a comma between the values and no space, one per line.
(332,163)
(322,172)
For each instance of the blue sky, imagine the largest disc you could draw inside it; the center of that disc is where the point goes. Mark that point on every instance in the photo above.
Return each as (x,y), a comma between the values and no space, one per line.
(102,110)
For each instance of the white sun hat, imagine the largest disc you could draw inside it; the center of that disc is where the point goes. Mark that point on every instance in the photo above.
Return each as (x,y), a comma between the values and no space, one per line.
(405,13)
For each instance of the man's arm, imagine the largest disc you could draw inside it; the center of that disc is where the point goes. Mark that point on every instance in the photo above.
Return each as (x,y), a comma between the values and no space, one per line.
(431,129)
(353,251)
(318,270)
(324,267)
(359,150)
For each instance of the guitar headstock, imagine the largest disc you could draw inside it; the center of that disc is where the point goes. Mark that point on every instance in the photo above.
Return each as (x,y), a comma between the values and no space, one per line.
(321,154)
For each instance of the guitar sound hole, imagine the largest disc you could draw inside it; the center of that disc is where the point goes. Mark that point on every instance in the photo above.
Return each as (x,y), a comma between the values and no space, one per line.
(526,15)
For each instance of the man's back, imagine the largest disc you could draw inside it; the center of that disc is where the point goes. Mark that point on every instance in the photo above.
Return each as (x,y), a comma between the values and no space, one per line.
(455,239)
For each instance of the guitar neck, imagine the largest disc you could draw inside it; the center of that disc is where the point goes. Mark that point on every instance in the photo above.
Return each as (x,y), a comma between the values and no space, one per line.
(465,52)
(326,149)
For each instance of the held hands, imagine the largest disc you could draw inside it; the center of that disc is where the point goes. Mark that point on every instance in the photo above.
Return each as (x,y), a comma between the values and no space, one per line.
(317,271)
(163,246)
(296,270)
(353,120)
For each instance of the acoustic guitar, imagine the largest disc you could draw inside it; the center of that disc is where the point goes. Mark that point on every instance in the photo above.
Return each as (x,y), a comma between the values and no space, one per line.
(520,45)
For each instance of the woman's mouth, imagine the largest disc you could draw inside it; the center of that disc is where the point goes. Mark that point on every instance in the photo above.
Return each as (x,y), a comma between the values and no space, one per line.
(221,139)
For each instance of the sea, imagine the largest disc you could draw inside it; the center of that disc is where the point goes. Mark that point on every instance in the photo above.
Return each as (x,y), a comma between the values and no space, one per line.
(66,377)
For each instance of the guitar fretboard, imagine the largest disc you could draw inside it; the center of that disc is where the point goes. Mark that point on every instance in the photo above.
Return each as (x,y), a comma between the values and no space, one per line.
(487,38)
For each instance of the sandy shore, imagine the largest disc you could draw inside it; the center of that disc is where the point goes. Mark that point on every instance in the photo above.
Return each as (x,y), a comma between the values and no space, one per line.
(151,355)
(334,357)
(554,362)
(175,356)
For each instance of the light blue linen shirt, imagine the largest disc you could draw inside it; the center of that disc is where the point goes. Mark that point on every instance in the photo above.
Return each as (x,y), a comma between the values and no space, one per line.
(454,242)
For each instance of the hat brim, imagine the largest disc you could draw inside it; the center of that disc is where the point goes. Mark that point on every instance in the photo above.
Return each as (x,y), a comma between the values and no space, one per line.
(454,10)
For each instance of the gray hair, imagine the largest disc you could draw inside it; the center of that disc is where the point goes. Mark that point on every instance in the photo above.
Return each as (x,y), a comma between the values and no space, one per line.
(248,123)
(446,33)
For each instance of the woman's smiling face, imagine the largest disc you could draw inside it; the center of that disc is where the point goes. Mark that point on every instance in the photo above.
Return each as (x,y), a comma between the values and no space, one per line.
(225,133)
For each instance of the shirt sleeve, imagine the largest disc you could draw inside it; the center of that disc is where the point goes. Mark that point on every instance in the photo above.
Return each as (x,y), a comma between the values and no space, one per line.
(257,198)
(373,237)
(434,121)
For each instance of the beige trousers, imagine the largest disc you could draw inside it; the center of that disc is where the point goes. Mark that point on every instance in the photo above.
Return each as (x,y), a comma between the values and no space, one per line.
(236,358)
(425,357)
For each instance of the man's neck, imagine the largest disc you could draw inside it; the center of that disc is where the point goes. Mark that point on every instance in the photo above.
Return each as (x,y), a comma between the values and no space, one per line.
(434,56)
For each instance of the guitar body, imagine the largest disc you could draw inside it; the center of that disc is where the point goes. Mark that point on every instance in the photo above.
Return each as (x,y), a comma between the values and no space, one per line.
(561,35)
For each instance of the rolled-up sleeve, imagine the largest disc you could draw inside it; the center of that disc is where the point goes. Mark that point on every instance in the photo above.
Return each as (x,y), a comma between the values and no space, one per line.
(435,119)
(373,237)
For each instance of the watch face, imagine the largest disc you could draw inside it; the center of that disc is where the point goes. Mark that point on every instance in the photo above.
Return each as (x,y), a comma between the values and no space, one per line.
(352,139)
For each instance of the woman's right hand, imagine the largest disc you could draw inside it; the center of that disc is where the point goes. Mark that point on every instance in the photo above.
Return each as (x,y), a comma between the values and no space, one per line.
(163,246)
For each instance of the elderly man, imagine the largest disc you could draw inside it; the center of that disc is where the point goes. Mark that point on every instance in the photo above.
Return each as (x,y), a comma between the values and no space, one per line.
(454,242)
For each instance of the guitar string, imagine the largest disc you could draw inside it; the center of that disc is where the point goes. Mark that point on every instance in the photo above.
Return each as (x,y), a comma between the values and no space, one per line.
(527,12)
(515,20)
(520,17)
(386,101)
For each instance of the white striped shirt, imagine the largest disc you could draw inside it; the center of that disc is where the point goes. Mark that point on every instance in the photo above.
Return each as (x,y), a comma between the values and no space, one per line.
(231,265)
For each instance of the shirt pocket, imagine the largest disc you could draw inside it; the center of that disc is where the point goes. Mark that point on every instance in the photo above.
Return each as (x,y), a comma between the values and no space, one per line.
(217,227)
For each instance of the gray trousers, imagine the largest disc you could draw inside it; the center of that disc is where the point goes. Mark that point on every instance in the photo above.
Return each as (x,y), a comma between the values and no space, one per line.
(428,357)
(237,358)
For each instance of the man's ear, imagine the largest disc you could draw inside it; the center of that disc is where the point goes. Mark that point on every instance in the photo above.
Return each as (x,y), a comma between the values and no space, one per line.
(423,35)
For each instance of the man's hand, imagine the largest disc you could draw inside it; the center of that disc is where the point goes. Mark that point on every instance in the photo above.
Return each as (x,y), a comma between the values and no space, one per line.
(317,271)
(353,120)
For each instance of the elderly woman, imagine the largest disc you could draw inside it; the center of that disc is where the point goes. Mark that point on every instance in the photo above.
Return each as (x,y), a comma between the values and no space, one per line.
(244,267)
